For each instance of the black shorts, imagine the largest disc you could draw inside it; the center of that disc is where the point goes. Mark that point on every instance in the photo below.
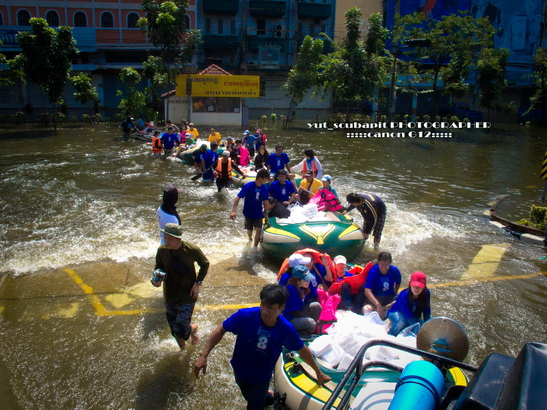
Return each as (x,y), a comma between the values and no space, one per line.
(251,223)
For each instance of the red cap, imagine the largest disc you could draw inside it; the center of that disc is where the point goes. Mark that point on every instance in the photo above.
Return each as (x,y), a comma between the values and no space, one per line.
(418,279)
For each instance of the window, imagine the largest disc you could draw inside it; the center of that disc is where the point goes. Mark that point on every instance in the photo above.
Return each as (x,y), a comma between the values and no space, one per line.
(261,27)
(232,26)
(132,19)
(312,30)
(52,18)
(187,22)
(300,30)
(1,20)
(220,26)
(207,26)
(107,19)
(23,18)
(215,104)
(80,19)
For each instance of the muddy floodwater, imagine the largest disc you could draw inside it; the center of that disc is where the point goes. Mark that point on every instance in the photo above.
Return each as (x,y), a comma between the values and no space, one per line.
(81,326)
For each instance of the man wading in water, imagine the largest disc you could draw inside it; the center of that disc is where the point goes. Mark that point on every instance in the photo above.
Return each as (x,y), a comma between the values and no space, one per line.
(181,286)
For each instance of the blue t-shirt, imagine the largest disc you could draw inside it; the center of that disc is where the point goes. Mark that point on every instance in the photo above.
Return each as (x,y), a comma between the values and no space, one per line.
(168,140)
(317,280)
(383,285)
(258,346)
(253,197)
(410,309)
(281,192)
(258,141)
(210,158)
(277,162)
(251,140)
(294,302)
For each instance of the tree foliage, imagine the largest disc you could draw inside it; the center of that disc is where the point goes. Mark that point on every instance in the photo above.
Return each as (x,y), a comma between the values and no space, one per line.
(538,101)
(447,48)
(304,76)
(356,69)
(491,77)
(84,92)
(164,25)
(46,57)
(134,103)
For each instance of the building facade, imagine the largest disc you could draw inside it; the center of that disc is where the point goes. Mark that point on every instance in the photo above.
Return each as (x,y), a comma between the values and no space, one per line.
(106,34)
(259,37)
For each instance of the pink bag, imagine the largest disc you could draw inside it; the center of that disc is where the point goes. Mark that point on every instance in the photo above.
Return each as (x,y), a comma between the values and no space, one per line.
(329,303)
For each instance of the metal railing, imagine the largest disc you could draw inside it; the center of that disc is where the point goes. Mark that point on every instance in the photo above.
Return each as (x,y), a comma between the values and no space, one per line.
(357,368)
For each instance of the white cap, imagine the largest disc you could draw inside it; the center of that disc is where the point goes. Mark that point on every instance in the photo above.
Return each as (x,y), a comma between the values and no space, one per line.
(340,259)
(297,259)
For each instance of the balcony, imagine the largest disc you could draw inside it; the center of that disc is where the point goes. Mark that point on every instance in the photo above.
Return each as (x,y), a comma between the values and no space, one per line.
(312,11)
(85,37)
(220,41)
(224,7)
(267,8)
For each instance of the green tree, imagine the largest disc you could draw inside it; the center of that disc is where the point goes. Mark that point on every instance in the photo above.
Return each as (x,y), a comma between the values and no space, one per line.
(134,103)
(446,48)
(356,69)
(491,77)
(538,101)
(47,56)
(157,80)
(165,27)
(304,74)
(84,92)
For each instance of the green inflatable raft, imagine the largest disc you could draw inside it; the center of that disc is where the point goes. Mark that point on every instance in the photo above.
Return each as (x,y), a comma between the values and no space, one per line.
(336,235)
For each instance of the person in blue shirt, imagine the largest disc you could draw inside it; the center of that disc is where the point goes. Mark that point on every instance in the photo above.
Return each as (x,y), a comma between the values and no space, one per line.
(382,285)
(127,127)
(169,140)
(250,143)
(322,276)
(411,305)
(261,333)
(255,206)
(210,157)
(281,189)
(278,160)
(199,161)
(303,314)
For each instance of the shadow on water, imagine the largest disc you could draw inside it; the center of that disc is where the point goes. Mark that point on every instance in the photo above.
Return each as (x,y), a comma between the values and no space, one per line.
(171,374)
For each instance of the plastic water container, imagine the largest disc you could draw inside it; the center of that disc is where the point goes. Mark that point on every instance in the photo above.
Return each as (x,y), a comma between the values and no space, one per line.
(419,387)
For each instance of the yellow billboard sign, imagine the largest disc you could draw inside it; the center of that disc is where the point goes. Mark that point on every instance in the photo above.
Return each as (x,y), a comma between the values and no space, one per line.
(218,85)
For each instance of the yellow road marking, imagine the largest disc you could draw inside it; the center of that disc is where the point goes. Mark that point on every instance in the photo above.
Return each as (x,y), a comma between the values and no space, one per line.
(100,310)
(481,280)
(486,262)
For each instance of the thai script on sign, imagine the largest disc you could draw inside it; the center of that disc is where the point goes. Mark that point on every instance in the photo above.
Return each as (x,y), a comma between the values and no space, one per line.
(218,85)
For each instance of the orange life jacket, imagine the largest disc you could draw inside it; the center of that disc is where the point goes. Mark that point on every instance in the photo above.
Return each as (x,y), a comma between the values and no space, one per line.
(313,168)
(316,259)
(219,167)
(156,145)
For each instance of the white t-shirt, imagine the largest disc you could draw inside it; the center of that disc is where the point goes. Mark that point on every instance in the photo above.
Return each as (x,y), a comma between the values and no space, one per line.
(163,219)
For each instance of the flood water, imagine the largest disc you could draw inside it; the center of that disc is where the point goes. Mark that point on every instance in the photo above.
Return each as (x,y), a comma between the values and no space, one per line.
(79,204)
